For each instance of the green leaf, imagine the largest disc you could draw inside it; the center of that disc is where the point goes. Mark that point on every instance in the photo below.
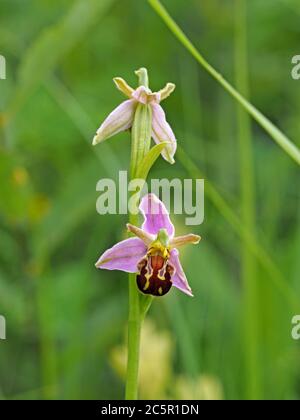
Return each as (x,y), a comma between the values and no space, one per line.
(54,43)
(150,159)
(145,303)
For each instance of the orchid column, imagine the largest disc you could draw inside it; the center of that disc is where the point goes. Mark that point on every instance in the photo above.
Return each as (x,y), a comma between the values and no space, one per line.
(143,113)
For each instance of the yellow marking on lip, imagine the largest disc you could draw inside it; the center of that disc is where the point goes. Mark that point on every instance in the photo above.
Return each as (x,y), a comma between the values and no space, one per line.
(147,277)
(160,291)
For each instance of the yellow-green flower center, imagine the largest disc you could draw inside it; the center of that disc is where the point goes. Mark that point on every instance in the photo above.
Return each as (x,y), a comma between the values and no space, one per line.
(160,246)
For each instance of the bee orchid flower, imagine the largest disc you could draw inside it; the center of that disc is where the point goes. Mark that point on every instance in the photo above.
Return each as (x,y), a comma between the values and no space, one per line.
(152,254)
(122,117)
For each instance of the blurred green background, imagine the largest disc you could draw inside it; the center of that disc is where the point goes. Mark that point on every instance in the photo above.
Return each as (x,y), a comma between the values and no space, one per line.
(65,321)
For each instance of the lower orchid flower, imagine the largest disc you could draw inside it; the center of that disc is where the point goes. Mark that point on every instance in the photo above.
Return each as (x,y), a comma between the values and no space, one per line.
(152,254)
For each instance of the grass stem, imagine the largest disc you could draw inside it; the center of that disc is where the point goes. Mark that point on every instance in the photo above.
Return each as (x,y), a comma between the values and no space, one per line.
(280,138)
(251,304)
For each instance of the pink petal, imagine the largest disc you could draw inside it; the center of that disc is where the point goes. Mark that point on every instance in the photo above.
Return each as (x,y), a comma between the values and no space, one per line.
(119,120)
(179,279)
(184,240)
(156,216)
(145,96)
(140,233)
(161,132)
(124,256)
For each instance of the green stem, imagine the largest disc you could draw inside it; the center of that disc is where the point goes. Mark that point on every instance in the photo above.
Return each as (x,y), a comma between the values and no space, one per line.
(249,275)
(134,333)
(141,137)
(281,139)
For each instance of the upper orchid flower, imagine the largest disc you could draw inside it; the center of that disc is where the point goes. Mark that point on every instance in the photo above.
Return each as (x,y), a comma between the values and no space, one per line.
(153,253)
(122,117)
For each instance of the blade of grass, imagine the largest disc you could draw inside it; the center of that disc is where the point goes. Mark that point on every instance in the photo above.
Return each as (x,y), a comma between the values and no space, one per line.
(241,230)
(249,273)
(81,120)
(281,139)
(188,353)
